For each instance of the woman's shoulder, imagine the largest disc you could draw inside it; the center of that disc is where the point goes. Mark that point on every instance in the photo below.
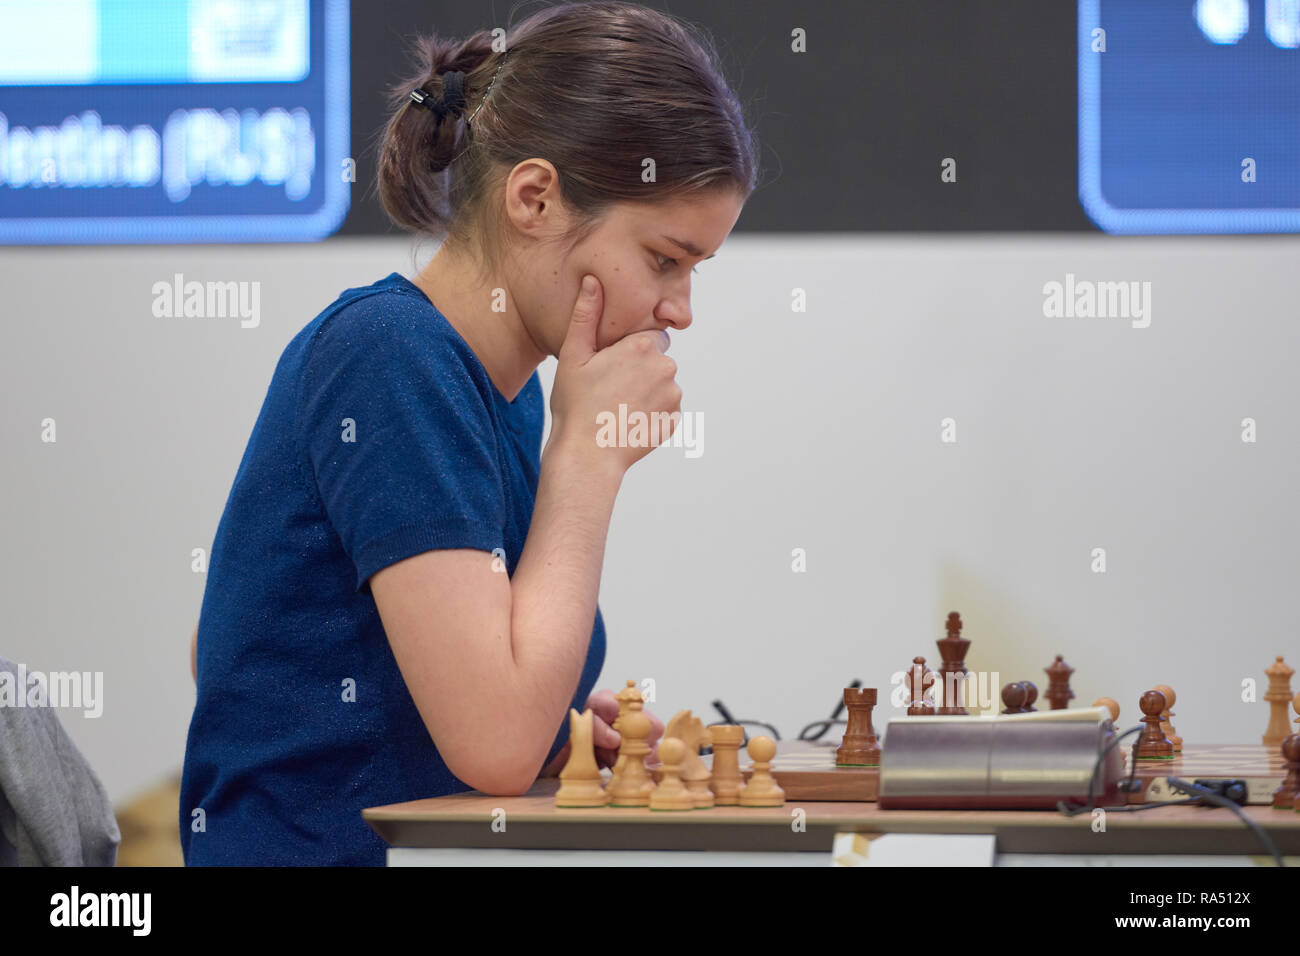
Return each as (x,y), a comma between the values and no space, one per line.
(387,340)
(389,316)
(393,302)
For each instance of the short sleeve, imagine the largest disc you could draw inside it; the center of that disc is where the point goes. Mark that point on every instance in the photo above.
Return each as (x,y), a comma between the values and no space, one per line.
(398,436)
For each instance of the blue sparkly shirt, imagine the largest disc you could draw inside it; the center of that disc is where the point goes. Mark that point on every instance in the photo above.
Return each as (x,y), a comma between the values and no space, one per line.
(381,437)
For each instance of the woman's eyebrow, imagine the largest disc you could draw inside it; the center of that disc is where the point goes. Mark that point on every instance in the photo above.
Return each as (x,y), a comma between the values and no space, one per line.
(689,247)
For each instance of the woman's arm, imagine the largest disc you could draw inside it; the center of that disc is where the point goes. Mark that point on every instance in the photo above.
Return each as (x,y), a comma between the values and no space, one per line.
(194,654)
(492,664)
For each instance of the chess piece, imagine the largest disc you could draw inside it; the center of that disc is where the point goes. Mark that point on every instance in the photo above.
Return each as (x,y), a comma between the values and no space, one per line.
(920,679)
(725,779)
(634,784)
(1031,695)
(1284,797)
(1058,683)
(580,778)
(690,730)
(860,747)
(1279,692)
(952,672)
(1014,696)
(671,794)
(762,789)
(1153,744)
(624,696)
(1112,706)
(1166,724)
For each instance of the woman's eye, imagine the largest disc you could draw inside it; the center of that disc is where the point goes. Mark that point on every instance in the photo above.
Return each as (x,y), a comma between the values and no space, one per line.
(673,261)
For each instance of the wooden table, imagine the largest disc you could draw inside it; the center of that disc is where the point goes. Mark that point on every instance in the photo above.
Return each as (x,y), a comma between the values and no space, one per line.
(533,822)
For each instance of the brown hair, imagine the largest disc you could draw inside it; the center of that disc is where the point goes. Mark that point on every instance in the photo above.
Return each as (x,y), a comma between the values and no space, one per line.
(595,89)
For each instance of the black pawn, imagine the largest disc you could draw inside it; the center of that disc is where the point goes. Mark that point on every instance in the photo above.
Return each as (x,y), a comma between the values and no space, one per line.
(1032,690)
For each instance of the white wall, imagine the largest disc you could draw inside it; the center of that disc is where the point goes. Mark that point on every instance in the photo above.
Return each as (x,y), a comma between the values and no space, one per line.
(822,433)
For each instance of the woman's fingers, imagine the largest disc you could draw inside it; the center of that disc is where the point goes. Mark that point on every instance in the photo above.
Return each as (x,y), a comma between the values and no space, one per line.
(604,705)
(656,727)
(604,736)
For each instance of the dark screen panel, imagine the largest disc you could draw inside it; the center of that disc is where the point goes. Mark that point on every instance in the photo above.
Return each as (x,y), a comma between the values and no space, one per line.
(854,130)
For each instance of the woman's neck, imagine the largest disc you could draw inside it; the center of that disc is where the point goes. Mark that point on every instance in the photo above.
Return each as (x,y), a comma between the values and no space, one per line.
(500,340)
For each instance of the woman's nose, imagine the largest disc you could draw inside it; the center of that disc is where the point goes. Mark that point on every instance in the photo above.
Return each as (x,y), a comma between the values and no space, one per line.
(678,315)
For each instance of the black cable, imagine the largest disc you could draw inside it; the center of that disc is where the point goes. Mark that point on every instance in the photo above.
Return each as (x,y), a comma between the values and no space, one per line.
(721,708)
(1202,796)
(825,725)
(1126,787)
(1206,794)
(1133,760)
(833,721)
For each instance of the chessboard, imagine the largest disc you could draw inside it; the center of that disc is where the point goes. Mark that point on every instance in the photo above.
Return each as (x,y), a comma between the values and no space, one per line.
(1262,769)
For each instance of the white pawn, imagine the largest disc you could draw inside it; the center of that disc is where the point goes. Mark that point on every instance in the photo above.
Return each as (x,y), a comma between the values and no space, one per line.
(671,794)
(762,789)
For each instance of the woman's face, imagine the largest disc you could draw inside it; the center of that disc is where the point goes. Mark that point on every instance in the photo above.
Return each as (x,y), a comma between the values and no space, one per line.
(644,274)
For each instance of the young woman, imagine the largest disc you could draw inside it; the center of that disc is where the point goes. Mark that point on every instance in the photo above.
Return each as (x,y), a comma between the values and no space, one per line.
(401,598)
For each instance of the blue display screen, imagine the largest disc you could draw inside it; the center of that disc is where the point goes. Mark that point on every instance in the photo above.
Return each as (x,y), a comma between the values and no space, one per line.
(1189,115)
(173,120)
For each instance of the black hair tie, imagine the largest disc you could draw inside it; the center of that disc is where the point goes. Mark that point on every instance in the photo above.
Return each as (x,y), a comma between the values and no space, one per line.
(453,96)
(453,91)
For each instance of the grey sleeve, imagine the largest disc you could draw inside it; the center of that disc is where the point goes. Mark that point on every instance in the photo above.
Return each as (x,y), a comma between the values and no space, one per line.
(53,809)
